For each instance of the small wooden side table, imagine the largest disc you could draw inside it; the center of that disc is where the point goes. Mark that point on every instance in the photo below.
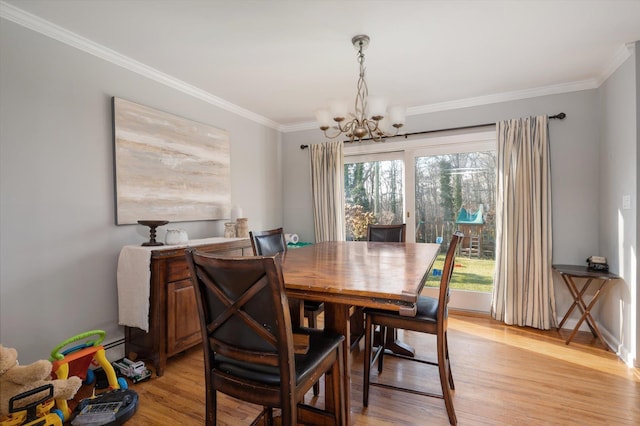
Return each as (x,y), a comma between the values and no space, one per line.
(600,278)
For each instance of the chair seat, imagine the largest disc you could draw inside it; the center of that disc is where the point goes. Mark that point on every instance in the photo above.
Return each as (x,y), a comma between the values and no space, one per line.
(321,344)
(427,310)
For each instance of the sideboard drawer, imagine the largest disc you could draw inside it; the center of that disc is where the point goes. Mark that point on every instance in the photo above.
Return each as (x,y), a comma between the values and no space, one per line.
(177,270)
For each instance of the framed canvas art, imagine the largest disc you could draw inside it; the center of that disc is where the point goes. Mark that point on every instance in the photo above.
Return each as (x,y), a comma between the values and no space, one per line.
(168,167)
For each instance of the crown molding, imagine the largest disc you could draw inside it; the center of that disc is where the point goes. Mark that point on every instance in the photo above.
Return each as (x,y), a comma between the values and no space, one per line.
(622,54)
(37,24)
(477,101)
(505,97)
(65,36)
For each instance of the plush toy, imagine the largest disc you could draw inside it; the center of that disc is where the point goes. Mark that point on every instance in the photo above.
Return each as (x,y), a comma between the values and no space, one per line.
(15,379)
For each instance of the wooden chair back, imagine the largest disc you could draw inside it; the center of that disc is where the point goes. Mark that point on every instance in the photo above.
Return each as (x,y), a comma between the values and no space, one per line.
(445,281)
(268,243)
(249,347)
(245,323)
(387,233)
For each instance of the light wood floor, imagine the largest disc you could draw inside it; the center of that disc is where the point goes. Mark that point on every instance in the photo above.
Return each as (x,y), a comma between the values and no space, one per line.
(504,376)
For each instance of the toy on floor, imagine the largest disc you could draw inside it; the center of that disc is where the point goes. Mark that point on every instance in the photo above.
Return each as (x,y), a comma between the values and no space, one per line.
(135,370)
(36,413)
(17,379)
(75,361)
(110,408)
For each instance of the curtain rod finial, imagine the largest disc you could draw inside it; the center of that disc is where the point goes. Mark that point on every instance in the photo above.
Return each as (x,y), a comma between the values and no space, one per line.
(304,146)
(560,116)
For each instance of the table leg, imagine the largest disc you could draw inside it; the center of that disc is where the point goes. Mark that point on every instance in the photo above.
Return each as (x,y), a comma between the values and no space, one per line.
(577,295)
(586,315)
(397,346)
(582,306)
(336,319)
(391,343)
(296,309)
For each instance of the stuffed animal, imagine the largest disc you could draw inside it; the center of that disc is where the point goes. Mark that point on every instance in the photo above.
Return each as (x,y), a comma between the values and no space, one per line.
(15,379)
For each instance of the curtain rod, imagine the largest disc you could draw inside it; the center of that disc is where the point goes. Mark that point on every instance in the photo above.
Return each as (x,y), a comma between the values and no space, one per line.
(560,116)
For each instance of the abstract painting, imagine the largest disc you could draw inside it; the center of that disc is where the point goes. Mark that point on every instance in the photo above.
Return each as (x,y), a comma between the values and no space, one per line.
(168,167)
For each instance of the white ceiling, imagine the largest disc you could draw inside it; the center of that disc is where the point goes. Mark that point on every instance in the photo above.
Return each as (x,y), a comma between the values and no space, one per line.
(277,61)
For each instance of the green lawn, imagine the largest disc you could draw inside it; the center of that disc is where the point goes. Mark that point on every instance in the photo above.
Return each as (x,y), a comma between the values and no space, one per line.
(468,274)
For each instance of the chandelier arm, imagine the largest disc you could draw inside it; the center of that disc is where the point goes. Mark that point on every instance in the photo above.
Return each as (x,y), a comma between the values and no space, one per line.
(328,135)
(346,126)
(377,134)
(374,131)
(372,125)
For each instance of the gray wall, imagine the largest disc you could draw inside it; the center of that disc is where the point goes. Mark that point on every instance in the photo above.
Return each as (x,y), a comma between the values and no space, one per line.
(637,261)
(619,177)
(58,240)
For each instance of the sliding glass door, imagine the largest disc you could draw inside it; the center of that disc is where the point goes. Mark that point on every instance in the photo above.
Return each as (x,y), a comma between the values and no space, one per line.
(374,192)
(436,186)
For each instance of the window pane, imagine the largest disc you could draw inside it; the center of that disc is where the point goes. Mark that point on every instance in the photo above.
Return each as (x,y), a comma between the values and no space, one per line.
(457,192)
(373,195)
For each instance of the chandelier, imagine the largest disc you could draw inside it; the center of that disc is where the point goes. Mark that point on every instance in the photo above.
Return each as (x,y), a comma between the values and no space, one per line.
(371,118)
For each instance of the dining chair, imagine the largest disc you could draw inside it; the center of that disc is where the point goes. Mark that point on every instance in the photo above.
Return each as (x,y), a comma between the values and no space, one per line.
(430,318)
(381,233)
(250,350)
(387,233)
(270,242)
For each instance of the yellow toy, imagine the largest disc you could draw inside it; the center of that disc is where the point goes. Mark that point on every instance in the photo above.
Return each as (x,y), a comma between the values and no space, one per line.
(37,413)
(75,361)
(16,379)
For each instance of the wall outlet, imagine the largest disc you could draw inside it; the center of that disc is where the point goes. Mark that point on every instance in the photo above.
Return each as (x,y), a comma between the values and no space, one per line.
(626,202)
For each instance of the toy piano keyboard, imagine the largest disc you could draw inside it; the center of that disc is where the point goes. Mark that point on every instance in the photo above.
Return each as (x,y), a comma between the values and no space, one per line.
(110,408)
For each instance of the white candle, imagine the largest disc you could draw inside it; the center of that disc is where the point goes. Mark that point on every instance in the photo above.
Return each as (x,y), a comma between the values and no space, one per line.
(236,212)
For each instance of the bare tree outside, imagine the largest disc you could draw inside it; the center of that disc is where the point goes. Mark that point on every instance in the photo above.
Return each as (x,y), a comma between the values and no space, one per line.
(451,190)
(447,183)
(374,194)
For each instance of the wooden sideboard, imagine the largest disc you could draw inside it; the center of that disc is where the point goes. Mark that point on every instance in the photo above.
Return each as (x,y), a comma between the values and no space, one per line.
(174,325)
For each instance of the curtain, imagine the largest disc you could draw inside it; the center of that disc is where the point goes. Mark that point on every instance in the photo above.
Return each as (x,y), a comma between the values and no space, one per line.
(523,285)
(327,186)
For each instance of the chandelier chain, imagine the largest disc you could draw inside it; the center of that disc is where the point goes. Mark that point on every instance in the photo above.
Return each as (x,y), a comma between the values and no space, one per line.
(363,90)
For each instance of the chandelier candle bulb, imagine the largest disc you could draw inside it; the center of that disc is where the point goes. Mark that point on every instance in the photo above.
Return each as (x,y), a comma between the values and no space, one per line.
(324,118)
(339,108)
(376,107)
(397,114)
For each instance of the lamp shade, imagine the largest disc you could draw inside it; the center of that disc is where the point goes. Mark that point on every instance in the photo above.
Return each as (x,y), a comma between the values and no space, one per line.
(385,125)
(397,114)
(339,108)
(376,106)
(323,117)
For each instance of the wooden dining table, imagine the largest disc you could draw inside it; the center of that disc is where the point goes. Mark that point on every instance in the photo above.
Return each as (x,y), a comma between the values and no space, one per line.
(343,274)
